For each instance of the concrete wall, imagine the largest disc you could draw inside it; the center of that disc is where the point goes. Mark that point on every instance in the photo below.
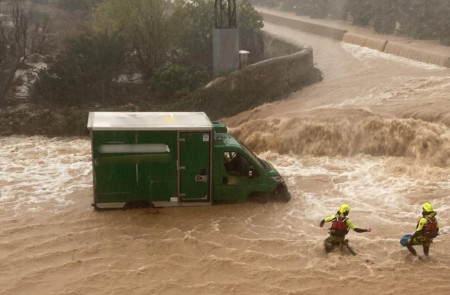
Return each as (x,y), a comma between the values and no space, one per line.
(317,29)
(373,43)
(417,54)
(262,46)
(285,68)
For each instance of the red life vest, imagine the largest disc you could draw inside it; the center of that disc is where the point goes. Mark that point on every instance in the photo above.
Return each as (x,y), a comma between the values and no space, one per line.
(430,229)
(339,227)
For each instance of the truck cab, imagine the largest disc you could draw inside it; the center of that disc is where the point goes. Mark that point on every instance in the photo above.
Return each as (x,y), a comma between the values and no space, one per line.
(239,174)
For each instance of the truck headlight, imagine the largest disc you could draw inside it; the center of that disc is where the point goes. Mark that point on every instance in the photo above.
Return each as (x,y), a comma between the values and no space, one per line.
(277,179)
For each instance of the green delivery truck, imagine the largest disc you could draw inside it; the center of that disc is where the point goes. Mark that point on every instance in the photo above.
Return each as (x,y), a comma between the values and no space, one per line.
(166,159)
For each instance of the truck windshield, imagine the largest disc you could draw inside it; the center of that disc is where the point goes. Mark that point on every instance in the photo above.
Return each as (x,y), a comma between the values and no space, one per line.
(255,158)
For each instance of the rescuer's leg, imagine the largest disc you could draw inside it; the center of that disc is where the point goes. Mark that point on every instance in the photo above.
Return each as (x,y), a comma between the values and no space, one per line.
(426,249)
(329,244)
(411,249)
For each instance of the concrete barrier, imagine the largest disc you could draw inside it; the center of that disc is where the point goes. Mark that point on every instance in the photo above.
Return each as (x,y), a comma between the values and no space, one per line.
(361,40)
(317,29)
(354,39)
(417,54)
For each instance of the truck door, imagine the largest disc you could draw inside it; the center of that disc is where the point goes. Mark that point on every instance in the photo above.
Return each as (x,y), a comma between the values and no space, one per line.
(194,167)
(236,182)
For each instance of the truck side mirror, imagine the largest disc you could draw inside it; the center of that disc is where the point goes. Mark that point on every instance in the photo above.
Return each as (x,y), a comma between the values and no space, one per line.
(251,172)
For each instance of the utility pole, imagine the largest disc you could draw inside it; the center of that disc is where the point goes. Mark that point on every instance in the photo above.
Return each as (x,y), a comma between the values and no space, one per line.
(225,14)
(225,38)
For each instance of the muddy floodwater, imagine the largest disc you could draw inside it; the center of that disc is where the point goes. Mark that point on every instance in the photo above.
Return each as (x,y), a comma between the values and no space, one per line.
(373,134)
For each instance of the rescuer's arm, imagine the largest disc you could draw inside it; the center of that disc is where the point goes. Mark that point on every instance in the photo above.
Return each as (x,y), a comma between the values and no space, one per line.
(356,229)
(328,219)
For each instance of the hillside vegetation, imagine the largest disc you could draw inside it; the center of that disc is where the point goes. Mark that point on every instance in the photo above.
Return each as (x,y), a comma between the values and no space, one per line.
(69,57)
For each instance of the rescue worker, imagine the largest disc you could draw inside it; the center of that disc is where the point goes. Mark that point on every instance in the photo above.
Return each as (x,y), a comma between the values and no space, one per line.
(340,226)
(426,230)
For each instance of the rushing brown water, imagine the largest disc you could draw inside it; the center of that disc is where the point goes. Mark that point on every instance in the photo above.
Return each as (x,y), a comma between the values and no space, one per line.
(374,134)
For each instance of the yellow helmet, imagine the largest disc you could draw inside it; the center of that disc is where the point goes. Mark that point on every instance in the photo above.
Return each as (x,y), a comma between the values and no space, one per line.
(344,209)
(427,207)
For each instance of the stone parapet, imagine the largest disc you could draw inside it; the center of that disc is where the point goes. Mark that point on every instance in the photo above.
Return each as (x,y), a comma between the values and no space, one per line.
(279,73)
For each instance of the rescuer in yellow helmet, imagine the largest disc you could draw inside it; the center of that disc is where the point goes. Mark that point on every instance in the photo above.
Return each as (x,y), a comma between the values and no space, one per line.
(340,226)
(426,230)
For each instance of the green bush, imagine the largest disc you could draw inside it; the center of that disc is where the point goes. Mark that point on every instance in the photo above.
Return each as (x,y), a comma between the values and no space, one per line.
(361,11)
(302,7)
(444,22)
(287,5)
(83,72)
(339,9)
(320,9)
(420,19)
(69,122)
(169,80)
(76,4)
(385,15)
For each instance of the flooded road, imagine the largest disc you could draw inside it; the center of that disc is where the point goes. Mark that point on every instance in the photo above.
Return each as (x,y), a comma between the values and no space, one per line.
(374,134)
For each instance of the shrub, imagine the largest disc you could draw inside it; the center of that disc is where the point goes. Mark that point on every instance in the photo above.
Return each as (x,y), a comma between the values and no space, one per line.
(339,9)
(385,15)
(304,7)
(287,5)
(77,4)
(361,11)
(168,80)
(320,9)
(83,73)
(444,22)
(420,18)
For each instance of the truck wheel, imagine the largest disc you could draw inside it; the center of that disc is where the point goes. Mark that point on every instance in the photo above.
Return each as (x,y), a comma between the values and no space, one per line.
(286,197)
(137,204)
(262,198)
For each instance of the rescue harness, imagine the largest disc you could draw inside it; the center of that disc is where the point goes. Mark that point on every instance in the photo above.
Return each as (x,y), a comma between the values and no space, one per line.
(430,229)
(339,227)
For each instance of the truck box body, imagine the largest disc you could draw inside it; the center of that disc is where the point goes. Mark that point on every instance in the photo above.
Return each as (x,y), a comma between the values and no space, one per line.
(170,159)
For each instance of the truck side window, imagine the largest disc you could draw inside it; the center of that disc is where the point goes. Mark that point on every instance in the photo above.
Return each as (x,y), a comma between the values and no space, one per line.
(235,164)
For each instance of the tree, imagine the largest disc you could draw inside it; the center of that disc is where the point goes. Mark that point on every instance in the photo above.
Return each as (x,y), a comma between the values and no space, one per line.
(83,72)
(85,5)
(163,32)
(444,22)
(361,11)
(421,19)
(196,22)
(25,36)
(169,80)
(144,24)
(385,15)
(197,16)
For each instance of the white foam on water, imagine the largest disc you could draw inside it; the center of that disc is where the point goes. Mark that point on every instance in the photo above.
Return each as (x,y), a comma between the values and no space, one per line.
(37,172)
(400,90)
(363,182)
(364,53)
